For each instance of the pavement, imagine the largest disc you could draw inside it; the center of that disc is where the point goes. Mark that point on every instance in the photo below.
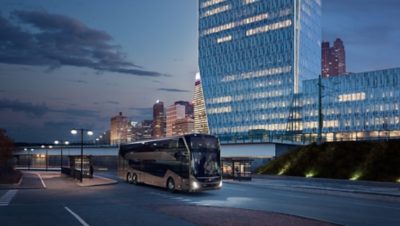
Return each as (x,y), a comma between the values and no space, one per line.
(62,200)
(35,180)
(323,185)
(96,181)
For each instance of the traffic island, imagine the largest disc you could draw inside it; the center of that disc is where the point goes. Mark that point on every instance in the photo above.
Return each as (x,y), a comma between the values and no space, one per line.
(235,216)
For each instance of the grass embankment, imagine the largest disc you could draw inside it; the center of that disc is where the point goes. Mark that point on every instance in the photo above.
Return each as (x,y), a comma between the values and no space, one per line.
(377,161)
(9,176)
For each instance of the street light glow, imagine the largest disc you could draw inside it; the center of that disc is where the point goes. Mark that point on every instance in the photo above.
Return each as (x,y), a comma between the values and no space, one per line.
(56,142)
(66,142)
(50,146)
(32,149)
(42,146)
(25,149)
(90,133)
(74,132)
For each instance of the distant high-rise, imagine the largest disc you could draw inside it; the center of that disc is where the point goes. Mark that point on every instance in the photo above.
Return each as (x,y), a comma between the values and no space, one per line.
(119,129)
(333,59)
(200,116)
(142,130)
(178,111)
(158,120)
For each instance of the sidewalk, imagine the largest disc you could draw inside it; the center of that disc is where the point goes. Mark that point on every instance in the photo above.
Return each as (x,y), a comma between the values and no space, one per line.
(324,185)
(96,181)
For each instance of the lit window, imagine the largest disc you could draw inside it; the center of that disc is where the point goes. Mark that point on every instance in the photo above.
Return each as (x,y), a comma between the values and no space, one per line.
(224,39)
(249,1)
(216,11)
(210,3)
(270,27)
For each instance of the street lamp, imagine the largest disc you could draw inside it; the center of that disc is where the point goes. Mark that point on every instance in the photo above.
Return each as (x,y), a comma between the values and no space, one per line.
(89,133)
(59,142)
(30,156)
(47,155)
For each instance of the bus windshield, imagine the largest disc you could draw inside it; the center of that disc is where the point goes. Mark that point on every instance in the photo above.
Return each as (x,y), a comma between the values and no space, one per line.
(205,164)
(205,156)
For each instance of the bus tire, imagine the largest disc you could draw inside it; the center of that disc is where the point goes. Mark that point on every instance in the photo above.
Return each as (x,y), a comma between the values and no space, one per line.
(135,179)
(170,185)
(129,178)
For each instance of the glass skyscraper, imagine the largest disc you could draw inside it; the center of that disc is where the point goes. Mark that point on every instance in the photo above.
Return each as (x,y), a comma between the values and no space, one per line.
(253,57)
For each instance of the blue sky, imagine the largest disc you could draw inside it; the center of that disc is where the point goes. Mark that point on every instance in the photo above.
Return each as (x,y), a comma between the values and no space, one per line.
(147,50)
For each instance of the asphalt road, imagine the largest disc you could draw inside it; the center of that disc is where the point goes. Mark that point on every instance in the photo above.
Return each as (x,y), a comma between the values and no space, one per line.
(62,202)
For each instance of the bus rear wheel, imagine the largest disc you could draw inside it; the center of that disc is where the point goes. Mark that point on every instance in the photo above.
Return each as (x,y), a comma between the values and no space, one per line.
(170,185)
(134,179)
(129,178)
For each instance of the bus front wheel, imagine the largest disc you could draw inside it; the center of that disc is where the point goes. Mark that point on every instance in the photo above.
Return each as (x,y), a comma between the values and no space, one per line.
(170,185)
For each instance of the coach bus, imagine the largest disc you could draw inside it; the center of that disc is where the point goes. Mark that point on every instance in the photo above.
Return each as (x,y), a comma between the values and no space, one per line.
(186,163)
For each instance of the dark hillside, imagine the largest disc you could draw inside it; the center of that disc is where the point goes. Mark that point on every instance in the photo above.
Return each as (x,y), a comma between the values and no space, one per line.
(379,161)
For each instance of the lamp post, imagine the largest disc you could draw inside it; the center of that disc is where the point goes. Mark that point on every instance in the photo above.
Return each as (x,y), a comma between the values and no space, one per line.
(61,143)
(30,156)
(89,133)
(47,155)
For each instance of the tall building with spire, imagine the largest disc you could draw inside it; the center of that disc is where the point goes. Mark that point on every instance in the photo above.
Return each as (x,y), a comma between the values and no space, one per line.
(200,116)
(158,120)
(333,59)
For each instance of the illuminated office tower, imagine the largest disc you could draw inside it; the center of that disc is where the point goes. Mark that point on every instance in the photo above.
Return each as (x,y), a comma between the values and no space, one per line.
(158,120)
(200,117)
(333,59)
(179,111)
(119,129)
(253,57)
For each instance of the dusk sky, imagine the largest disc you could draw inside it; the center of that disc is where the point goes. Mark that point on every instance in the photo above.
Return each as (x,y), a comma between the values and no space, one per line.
(66,64)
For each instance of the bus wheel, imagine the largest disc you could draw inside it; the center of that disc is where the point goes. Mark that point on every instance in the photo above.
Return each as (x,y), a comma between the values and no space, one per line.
(170,185)
(134,179)
(129,178)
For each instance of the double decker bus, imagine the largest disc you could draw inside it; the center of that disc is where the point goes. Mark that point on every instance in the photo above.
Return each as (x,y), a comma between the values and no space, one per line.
(186,163)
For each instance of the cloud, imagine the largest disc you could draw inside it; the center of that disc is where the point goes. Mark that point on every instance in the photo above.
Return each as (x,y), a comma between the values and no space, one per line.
(112,102)
(78,81)
(142,113)
(40,38)
(40,110)
(2,91)
(174,90)
(18,106)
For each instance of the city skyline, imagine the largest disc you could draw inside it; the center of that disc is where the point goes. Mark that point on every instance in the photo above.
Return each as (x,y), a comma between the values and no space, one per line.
(56,97)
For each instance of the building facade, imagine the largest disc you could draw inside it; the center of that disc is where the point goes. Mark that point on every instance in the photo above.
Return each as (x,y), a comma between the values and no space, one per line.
(158,120)
(200,116)
(358,106)
(333,59)
(141,130)
(180,110)
(253,57)
(184,126)
(119,131)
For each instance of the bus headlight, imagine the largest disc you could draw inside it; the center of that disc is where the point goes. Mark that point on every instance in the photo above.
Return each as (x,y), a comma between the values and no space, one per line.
(220,184)
(195,185)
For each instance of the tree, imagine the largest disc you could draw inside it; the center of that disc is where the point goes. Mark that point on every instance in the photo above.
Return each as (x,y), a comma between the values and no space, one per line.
(6,149)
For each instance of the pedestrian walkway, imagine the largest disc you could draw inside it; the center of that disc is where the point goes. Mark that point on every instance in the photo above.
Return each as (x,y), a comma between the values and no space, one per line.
(96,181)
(327,185)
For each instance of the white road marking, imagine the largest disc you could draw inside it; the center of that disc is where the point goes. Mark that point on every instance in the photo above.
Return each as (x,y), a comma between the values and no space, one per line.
(7,197)
(76,216)
(41,179)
